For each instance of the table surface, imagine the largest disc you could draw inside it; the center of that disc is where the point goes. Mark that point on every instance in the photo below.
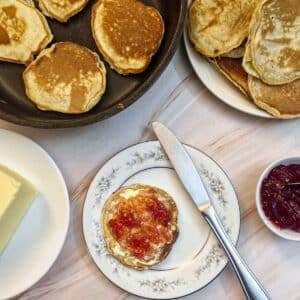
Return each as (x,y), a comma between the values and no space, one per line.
(243,145)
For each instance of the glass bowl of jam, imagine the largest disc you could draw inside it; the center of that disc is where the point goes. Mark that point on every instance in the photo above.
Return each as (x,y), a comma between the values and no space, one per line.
(278,198)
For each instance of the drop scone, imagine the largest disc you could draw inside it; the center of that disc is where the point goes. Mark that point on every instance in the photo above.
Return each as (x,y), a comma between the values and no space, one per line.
(139,224)
(24,31)
(216,27)
(66,77)
(232,69)
(281,101)
(247,59)
(236,52)
(275,43)
(61,10)
(30,2)
(127,33)
(247,62)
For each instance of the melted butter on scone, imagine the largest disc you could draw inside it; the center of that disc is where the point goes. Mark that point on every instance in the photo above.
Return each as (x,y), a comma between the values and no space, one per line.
(129,193)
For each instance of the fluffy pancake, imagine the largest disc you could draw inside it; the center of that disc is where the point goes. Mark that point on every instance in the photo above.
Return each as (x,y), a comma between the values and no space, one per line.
(247,62)
(233,70)
(127,33)
(275,45)
(24,31)
(61,10)
(139,224)
(66,77)
(216,27)
(282,101)
(247,59)
(236,52)
(30,2)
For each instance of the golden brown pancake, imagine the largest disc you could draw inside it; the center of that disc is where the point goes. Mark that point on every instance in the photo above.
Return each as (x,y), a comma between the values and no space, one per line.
(24,31)
(218,26)
(233,70)
(236,52)
(30,2)
(275,45)
(247,59)
(61,10)
(66,77)
(282,101)
(127,33)
(247,62)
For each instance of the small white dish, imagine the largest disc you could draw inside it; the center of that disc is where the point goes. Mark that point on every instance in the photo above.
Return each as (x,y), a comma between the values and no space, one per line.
(40,236)
(284,233)
(218,84)
(196,258)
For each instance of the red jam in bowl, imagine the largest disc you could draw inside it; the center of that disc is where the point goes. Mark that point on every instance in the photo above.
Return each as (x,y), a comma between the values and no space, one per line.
(281,201)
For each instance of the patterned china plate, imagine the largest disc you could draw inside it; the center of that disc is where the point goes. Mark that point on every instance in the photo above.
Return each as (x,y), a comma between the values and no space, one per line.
(196,258)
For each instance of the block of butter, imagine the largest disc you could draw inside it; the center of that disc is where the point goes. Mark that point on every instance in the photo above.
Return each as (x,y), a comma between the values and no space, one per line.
(16,195)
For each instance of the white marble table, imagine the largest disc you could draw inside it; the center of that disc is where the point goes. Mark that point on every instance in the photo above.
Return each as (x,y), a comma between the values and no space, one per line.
(242,144)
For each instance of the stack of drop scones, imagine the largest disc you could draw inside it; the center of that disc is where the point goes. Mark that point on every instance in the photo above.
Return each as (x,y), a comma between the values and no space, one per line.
(67,77)
(273,57)
(256,45)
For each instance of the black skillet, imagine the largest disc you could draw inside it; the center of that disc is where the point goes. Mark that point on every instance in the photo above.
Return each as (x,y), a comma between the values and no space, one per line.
(121,91)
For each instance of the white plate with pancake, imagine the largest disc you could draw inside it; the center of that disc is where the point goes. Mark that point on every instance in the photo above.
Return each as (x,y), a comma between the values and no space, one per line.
(41,234)
(220,86)
(196,258)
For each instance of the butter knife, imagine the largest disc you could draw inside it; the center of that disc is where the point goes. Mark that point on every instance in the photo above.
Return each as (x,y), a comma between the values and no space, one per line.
(194,186)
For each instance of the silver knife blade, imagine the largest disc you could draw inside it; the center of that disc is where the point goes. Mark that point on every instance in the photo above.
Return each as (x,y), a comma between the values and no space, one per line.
(183,165)
(193,184)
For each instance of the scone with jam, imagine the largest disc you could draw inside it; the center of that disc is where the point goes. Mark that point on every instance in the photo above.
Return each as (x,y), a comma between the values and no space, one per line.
(139,224)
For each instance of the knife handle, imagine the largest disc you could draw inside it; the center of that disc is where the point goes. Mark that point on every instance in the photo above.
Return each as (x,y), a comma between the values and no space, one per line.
(251,287)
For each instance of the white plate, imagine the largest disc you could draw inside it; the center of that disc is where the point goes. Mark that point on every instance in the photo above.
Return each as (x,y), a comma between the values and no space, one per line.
(218,84)
(42,232)
(196,258)
(283,233)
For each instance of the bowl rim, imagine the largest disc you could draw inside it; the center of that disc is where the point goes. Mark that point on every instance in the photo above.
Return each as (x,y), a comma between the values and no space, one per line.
(283,233)
(126,102)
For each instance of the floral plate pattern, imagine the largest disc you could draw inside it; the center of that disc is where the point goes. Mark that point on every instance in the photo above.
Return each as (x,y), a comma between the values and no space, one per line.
(147,163)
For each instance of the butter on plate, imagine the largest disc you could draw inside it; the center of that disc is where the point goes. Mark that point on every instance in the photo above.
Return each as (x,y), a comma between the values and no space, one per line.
(16,195)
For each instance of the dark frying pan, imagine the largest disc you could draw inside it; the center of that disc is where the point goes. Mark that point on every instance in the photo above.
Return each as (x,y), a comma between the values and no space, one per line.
(121,91)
